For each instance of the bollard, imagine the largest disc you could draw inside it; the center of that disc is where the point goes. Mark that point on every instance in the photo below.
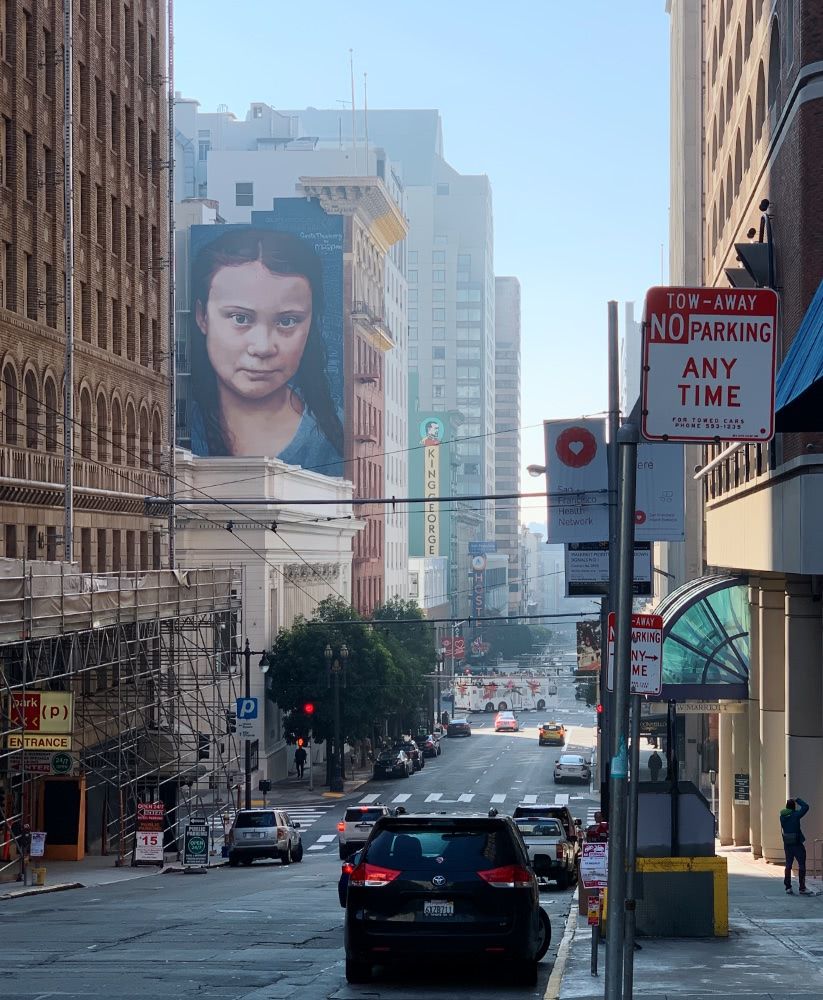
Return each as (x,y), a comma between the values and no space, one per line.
(594,906)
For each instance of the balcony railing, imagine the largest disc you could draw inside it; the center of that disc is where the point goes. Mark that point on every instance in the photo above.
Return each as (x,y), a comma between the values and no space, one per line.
(39,468)
(362,312)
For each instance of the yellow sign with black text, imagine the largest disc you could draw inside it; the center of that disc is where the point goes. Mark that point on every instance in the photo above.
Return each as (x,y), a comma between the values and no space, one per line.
(37,741)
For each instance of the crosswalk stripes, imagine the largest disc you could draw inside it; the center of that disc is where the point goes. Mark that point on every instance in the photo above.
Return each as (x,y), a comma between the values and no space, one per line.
(368,799)
(307,816)
(403,797)
(530,799)
(434,797)
(561,799)
(466,797)
(498,799)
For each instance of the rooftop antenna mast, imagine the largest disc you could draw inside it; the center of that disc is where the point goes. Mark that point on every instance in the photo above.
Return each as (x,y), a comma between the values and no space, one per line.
(353,115)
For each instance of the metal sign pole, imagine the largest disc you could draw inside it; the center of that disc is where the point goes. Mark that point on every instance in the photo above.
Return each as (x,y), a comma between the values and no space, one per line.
(627,441)
(631,850)
(311,755)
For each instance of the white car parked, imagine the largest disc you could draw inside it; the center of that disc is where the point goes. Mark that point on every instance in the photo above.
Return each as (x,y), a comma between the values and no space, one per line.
(572,767)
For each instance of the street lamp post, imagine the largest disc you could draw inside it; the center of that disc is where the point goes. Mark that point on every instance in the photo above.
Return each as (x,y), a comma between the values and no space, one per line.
(337,666)
(438,671)
(248,652)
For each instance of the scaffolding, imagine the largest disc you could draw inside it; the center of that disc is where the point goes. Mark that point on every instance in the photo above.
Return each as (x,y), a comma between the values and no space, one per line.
(151,662)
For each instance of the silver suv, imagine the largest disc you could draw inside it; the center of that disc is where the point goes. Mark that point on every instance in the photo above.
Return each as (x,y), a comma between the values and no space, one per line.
(264,833)
(354,829)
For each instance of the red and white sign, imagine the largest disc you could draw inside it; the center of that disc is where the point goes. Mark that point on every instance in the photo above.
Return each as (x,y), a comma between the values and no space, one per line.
(709,364)
(577,478)
(454,647)
(646,654)
(594,866)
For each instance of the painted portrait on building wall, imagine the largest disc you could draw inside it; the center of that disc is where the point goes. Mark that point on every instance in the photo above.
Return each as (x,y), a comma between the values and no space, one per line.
(266,339)
(431,432)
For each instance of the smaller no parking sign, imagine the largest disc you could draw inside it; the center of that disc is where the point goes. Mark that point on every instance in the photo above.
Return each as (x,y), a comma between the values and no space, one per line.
(646,654)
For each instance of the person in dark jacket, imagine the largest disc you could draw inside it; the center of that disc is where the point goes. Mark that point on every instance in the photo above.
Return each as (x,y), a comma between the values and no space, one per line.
(794,843)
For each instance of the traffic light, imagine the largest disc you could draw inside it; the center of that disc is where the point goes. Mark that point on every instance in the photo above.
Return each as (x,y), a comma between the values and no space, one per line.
(599,708)
(231,721)
(308,708)
(300,741)
(203,746)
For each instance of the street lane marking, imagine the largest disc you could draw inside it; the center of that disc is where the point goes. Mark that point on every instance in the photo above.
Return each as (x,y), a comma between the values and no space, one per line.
(466,797)
(370,798)
(561,799)
(404,797)
(530,799)
(434,797)
(327,838)
(318,847)
(498,798)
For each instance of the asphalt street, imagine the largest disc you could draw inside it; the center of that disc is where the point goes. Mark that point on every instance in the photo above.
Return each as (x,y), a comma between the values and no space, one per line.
(269,931)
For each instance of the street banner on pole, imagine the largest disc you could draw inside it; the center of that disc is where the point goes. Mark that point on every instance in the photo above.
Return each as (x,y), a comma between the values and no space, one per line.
(709,364)
(577,477)
(646,654)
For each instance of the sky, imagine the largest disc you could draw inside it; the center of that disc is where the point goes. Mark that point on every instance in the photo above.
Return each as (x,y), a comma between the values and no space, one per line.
(564,105)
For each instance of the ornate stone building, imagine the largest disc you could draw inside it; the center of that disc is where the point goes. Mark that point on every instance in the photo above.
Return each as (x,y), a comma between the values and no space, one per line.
(121,359)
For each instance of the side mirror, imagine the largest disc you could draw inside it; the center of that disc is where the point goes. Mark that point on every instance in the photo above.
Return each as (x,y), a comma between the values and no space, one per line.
(578,821)
(492,811)
(296,825)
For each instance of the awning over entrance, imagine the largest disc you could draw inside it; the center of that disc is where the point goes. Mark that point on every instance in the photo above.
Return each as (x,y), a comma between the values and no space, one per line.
(706,639)
(799,384)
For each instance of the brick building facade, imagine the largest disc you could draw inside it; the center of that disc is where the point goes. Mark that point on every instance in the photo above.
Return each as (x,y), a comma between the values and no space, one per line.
(121,361)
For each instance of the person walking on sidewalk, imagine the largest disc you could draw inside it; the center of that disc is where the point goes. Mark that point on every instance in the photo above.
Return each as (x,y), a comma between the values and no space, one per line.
(655,765)
(300,761)
(794,843)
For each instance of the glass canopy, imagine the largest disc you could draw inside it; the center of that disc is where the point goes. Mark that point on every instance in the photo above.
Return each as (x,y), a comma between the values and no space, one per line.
(706,639)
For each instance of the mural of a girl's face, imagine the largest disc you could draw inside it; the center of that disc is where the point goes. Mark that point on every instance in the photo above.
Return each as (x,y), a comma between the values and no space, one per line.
(256,324)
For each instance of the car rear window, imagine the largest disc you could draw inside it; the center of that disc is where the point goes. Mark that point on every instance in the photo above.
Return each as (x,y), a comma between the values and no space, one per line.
(473,848)
(255,820)
(364,815)
(571,759)
(540,827)
(531,811)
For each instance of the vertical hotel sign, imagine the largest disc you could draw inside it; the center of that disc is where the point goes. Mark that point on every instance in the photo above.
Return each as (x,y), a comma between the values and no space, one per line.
(431,437)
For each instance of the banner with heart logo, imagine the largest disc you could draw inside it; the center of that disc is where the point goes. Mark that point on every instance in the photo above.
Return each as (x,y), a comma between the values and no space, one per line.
(577,479)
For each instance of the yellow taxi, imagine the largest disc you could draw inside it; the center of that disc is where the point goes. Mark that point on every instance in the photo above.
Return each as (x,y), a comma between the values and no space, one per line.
(552,734)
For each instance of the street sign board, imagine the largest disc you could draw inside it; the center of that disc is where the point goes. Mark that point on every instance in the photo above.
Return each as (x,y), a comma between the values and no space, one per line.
(709,364)
(481,548)
(691,707)
(587,569)
(45,762)
(148,843)
(35,741)
(646,653)
(43,711)
(594,866)
(741,789)
(248,718)
(196,844)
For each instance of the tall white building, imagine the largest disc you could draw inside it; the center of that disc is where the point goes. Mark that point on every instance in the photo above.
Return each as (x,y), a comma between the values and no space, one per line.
(451,310)
(243,165)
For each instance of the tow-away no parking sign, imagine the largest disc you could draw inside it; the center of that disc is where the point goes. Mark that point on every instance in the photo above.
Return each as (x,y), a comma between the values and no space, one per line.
(646,654)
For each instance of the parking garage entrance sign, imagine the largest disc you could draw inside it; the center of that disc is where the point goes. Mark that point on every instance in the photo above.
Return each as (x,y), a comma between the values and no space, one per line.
(709,364)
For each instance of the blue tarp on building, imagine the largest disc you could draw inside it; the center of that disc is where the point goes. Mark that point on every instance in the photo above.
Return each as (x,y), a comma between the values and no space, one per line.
(799,386)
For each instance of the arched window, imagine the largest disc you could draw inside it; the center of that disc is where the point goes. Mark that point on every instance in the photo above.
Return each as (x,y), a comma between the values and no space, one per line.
(32,410)
(156,441)
(85,424)
(774,72)
(760,101)
(50,405)
(748,29)
(131,435)
(714,226)
(116,432)
(721,24)
(738,58)
(738,164)
(748,139)
(10,394)
(729,188)
(144,439)
(102,429)
(729,91)
(714,141)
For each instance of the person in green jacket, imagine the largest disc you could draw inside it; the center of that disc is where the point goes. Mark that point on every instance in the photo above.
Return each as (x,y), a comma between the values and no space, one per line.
(794,843)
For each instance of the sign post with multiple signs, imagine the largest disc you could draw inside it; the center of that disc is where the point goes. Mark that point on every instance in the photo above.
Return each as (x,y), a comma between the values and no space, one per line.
(646,654)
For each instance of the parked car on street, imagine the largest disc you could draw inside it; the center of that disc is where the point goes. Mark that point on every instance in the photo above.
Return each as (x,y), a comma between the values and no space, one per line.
(506,722)
(354,829)
(551,853)
(458,727)
(393,764)
(456,886)
(540,810)
(412,751)
(572,767)
(431,747)
(264,833)
(552,734)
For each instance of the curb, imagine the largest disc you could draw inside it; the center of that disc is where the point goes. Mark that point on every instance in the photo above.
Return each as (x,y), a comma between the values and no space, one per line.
(41,889)
(556,978)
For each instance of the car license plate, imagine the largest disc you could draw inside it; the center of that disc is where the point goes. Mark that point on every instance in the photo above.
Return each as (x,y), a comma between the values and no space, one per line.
(438,908)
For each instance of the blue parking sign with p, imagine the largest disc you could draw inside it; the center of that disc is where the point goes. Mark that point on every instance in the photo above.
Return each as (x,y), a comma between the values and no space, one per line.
(246,708)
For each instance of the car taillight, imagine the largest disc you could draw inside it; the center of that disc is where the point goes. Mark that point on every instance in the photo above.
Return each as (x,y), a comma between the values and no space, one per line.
(348,868)
(372,875)
(341,827)
(281,832)
(507,877)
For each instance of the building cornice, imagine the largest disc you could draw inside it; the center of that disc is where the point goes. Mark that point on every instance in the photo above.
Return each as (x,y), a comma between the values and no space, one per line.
(367,198)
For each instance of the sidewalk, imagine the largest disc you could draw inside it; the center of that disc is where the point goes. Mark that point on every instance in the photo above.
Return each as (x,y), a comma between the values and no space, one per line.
(774,948)
(97,871)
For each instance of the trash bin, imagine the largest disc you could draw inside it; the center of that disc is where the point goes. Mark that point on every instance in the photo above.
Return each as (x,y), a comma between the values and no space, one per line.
(38,876)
